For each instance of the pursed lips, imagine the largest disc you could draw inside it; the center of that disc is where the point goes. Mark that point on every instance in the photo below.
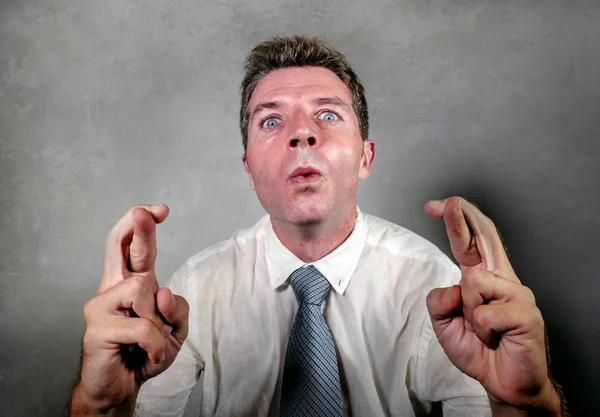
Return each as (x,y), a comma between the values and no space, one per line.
(305,174)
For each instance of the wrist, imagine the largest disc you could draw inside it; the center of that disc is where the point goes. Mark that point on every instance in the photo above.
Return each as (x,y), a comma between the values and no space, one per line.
(546,404)
(85,405)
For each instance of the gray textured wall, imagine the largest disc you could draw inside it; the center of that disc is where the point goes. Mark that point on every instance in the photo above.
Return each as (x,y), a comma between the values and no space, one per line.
(106,104)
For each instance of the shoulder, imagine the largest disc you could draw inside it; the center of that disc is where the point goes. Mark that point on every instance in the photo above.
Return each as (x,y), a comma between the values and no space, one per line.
(415,263)
(221,254)
(238,241)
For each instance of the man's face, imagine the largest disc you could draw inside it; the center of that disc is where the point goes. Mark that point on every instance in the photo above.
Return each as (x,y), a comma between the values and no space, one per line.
(305,153)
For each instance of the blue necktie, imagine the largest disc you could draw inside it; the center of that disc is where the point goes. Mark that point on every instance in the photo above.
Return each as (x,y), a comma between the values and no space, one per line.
(311,378)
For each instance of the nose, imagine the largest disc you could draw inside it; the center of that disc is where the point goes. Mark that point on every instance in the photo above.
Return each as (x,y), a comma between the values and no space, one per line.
(303,131)
(310,141)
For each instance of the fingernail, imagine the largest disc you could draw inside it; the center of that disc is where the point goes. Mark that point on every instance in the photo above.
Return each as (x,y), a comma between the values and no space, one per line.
(166,329)
(162,357)
(436,202)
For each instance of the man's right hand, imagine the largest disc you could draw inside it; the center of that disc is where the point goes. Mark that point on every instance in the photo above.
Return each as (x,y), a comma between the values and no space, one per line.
(134,329)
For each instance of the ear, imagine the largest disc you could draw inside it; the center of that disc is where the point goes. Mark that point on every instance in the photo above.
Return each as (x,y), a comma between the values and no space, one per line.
(367,159)
(247,169)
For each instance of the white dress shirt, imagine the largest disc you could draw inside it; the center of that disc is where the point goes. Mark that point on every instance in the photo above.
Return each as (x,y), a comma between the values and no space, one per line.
(242,309)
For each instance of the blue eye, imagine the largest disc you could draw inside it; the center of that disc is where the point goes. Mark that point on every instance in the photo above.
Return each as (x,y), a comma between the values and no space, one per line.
(329,116)
(271,122)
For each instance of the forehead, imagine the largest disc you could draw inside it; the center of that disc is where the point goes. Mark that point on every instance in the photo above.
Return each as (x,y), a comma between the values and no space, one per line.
(299,82)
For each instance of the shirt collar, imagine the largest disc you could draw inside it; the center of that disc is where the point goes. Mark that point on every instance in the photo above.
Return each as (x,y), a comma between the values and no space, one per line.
(337,267)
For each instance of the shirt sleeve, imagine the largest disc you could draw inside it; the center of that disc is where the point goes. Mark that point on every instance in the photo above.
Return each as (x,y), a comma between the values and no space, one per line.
(438,379)
(167,394)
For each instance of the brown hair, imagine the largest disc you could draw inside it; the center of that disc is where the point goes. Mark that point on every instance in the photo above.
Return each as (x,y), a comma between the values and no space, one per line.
(299,51)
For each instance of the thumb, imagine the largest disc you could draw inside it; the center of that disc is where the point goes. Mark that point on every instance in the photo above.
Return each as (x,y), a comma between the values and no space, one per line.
(435,208)
(442,304)
(175,309)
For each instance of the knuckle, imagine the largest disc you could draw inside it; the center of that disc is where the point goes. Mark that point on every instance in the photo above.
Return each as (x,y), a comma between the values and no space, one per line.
(455,199)
(156,321)
(537,320)
(108,281)
(185,306)
(470,279)
(502,321)
(125,327)
(484,319)
(89,310)
(92,334)
(459,204)
(430,299)
(528,295)
(132,209)
(138,286)
(114,236)
(140,252)
(481,318)
(498,319)
(489,319)
(145,328)
(92,308)
(88,340)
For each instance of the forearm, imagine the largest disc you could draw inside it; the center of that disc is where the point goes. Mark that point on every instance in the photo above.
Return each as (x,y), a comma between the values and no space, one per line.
(82,406)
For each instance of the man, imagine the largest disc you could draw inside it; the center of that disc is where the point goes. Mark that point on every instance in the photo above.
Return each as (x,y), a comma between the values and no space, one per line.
(267,335)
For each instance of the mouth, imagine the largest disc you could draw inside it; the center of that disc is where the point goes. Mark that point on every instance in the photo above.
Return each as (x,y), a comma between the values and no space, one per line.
(305,174)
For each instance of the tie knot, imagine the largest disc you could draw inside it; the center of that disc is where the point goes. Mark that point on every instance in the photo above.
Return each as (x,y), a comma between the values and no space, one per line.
(310,286)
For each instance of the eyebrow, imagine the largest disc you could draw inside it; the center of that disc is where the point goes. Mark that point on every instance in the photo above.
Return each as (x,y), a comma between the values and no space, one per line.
(265,105)
(333,100)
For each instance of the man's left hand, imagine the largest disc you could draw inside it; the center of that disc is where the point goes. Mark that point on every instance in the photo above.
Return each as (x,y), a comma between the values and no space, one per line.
(489,324)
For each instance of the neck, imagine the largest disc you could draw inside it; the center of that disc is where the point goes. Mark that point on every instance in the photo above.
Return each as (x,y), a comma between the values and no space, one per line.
(311,242)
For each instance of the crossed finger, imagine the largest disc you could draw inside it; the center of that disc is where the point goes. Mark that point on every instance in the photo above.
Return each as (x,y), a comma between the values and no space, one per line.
(474,239)
(131,244)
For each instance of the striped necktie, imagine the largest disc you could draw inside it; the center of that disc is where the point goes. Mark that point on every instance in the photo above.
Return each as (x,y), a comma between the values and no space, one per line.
(311,379)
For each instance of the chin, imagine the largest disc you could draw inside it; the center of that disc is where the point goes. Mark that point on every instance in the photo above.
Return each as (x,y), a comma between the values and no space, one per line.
(306,220)
(307,213)
(302,208)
